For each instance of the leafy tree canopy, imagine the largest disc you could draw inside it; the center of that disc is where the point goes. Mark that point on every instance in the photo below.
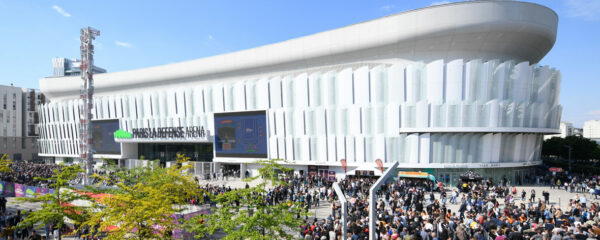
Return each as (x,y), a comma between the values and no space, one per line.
(5,163)
(144,200)
(582,148)
(57,207)
(245,214)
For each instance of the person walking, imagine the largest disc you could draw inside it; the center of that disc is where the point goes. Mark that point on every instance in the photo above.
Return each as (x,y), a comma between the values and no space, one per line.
(546,196)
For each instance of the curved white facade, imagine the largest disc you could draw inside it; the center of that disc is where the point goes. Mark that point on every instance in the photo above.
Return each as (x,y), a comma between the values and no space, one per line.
(447,86)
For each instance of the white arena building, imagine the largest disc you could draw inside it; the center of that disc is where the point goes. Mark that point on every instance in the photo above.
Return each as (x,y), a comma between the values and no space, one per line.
(441,89)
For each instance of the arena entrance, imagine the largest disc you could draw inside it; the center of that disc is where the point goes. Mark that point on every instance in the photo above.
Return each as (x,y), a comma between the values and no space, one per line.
(166,152)
(230,170)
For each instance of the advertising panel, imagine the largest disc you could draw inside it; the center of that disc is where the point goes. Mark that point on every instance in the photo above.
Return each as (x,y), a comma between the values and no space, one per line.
(29,191)
(241,134)
(8,189)
(103,136)
(42,191)
(19,190)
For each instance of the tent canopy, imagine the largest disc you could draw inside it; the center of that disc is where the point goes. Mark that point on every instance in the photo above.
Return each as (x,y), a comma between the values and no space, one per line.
(422,175)
(362,169)
(471,175)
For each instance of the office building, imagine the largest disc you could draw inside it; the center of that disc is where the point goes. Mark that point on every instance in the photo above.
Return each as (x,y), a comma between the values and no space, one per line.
(18,122)
(566,129)
(591,130)
(62,67)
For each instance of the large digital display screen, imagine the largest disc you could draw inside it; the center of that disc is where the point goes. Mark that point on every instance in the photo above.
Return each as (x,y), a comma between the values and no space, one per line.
(103,136)
(241,134)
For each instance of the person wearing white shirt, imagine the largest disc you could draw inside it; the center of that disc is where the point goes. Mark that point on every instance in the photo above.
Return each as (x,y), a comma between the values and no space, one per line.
(583,200)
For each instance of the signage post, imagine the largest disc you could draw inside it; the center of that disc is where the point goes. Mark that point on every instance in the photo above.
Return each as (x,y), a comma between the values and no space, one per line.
(373,200)
(344,202)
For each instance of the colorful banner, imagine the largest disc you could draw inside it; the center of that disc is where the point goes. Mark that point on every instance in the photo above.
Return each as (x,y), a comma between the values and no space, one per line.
(179,234)
(19,190)
(379,164)
(29,191)
(555,169)
(332,176)
(416,175)
(8,189)
(42,191)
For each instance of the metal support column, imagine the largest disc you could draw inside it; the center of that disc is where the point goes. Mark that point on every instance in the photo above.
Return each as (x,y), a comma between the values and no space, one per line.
(373,200)
(344,202)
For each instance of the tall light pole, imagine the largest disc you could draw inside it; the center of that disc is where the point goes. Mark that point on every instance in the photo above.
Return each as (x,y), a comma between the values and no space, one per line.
(344,203)
(86,100)
(373,199)
(570,148)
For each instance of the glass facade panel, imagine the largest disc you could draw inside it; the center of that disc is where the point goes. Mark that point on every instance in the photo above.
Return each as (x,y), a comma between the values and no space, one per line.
(201,152)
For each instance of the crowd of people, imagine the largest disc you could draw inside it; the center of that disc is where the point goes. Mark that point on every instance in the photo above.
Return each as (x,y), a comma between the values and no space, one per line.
(415,209)
(308,191)
(426,210)
(577,184)
(408,208)
(26,173)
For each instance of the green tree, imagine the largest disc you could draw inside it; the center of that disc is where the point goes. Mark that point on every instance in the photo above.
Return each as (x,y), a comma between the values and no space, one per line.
(252,218)
(5,163)
(582,148)
(57,207)
(143,201)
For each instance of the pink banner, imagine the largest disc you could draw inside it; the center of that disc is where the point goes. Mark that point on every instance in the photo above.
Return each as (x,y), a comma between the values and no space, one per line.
(19,190)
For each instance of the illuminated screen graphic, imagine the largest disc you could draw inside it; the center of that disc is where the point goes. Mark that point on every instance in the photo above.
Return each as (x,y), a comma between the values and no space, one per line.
(103,136)
(241,134)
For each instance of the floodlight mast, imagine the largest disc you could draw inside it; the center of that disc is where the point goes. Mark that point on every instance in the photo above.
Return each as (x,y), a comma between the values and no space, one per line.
(86,101)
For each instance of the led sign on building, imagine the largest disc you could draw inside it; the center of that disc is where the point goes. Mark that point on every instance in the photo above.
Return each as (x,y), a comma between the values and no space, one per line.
(241,134)
(103,136)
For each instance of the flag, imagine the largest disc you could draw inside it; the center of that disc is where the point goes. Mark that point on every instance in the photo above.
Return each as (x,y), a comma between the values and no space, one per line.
(379,164)
(344,164)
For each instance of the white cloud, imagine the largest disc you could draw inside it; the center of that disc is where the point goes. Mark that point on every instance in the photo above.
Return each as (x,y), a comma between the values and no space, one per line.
(61,11)
(210,37)
(123,44)
(594,113)
(439,3)
(387,8)
(586,9)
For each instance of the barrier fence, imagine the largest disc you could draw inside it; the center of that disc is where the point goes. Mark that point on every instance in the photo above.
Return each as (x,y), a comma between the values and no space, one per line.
(10,189)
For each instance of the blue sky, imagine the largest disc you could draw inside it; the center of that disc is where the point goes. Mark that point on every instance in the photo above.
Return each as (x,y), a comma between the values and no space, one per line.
(137,34)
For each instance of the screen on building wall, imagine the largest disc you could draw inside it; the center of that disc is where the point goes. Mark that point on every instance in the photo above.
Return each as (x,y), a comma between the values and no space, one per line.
(103,136)
(241,134)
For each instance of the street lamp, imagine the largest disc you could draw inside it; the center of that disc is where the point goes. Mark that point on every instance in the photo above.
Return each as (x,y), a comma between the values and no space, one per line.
(570,148)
